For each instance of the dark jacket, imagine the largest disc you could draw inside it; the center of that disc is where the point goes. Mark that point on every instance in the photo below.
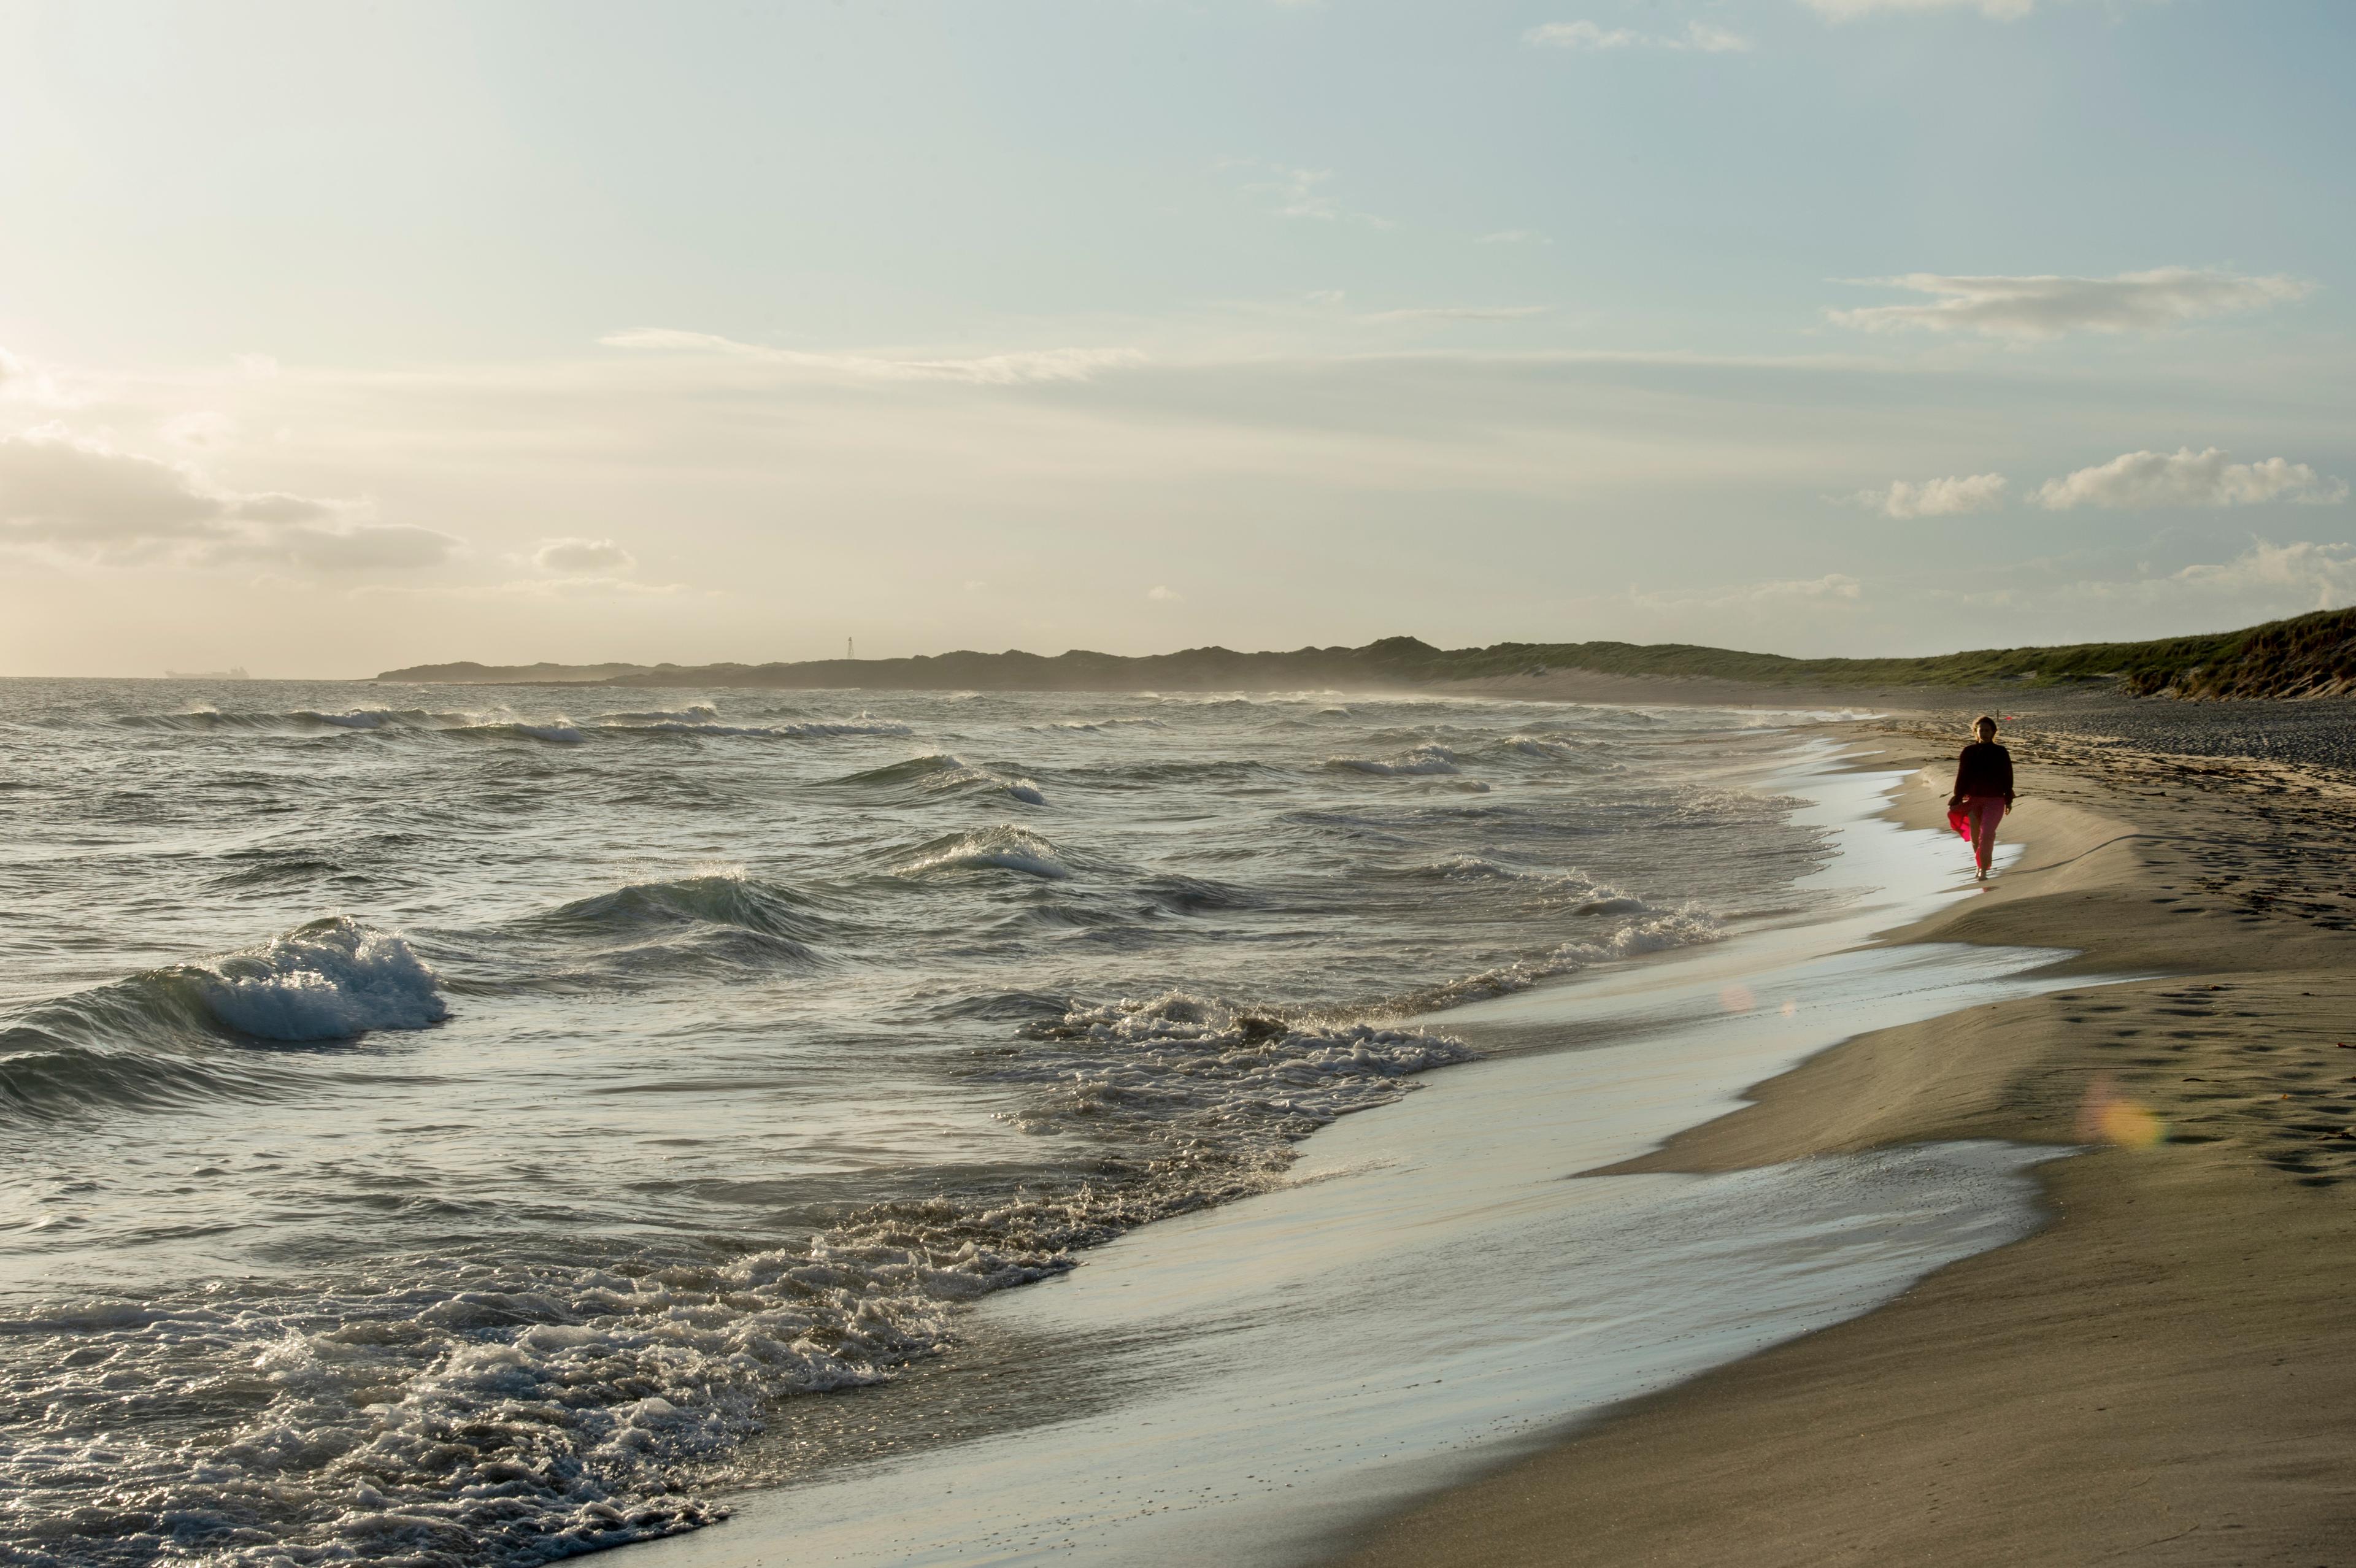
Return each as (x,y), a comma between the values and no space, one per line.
(1984,768)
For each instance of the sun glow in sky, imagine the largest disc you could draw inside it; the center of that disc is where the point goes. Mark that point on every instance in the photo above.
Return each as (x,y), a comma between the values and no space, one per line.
(336,337)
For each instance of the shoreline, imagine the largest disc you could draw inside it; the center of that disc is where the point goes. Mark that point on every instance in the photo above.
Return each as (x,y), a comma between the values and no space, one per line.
(1591,1093)
(2161,1369)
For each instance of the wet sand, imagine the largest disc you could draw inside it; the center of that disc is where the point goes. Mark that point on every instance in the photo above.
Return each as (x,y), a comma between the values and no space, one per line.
(2165,1374)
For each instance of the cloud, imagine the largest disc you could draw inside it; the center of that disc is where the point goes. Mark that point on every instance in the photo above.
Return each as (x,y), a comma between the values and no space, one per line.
(2138,480)
(1850,10)
(1834,586)
(278,507)
(1699,37)
(1012,369)
(2046,306)
(2321,572)
(199,429)
(1457,312)
(589,587)
(22,381)
(1164,594)
(1302,193)
(79,496)
(1946,497)
(1513,237)
(580,556)
(550,588)
(351,547)
(57,489)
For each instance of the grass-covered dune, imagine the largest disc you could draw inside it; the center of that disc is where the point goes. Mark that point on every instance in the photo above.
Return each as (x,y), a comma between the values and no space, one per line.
(2308,656)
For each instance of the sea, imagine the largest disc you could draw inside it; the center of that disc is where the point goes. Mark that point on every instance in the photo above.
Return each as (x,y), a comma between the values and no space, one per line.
(474,1127)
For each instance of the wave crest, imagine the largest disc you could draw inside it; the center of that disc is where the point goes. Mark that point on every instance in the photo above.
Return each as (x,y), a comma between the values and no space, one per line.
(939,773)
(717,898)
(166,1039)
(1655,931)
(332,979)
(1006,849)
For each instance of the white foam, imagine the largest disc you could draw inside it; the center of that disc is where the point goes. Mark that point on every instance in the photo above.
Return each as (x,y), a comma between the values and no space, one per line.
(329,980)
(1179,1052)
(1424,760)
(1654,932)
(825,730)
(694,713)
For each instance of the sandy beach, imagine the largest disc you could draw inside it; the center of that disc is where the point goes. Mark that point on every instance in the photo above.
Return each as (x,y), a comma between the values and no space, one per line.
(2161,1374)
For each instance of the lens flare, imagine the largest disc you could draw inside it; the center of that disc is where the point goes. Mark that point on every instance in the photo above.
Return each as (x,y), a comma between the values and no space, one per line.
(1737,998)
(2109,1117)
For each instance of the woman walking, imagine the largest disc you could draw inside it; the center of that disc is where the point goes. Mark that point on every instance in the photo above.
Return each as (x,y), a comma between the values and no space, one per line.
(1983,792)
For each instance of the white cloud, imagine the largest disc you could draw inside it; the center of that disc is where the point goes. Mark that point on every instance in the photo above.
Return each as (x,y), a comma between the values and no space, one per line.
(1457,312)
(1513,237)
(2137,480)
(258,367)
(202,428)
(2324,572)
(1302,193)
(1163,594)
(81,497)
(546,589)
(1012,369)
(22,381)
(1832,587)
(1699,37)
(1947,497)
(579,556)
(2048,306)
(1581,35)
(1850,10)
(593,587)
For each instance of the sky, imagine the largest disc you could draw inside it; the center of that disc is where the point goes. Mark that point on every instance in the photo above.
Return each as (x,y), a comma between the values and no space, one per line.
(337,337)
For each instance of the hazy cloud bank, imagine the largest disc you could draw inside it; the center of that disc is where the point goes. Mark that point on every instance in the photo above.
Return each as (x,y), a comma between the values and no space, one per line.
(2033,309)
(1850,10)
(80,496)
(1700,36)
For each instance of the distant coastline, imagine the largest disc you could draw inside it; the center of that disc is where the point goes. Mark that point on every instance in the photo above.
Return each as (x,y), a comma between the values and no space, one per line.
(2304,656)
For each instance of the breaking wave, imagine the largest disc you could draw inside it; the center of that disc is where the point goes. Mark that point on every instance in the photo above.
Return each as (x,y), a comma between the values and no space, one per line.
(1424,760)
(1006,848)
(151,1041)
(511,1413)
(939,773)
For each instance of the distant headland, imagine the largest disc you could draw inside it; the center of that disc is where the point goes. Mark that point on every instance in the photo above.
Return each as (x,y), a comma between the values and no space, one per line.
(2307,655)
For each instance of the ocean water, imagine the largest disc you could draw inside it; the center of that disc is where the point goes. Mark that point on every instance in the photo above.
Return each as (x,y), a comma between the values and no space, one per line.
(473,1127)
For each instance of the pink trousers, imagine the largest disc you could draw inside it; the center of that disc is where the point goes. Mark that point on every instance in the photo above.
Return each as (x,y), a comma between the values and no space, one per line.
(1983,812)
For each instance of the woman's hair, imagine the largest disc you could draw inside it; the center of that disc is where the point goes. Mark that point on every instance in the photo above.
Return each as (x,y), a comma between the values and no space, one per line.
(1983,719)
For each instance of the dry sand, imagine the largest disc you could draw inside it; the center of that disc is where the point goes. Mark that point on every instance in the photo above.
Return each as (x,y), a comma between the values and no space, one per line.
(2166,1372)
